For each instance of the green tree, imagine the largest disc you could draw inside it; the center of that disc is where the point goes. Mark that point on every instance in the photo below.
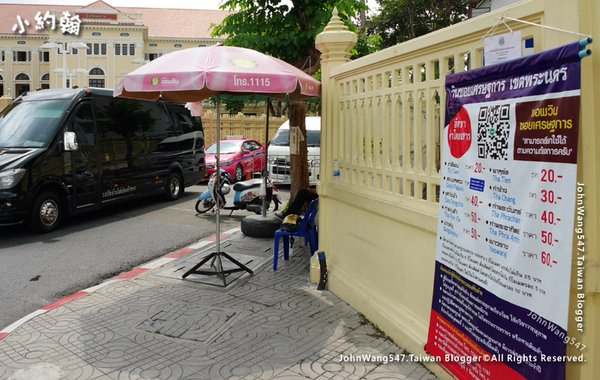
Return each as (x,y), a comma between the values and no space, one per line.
(234,106)
(402,20)
(288,33)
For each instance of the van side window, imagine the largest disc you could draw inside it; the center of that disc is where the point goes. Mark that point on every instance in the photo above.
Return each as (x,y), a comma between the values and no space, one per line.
(184,122)
(83,124)
(119,118)
(161,126)
(142,125)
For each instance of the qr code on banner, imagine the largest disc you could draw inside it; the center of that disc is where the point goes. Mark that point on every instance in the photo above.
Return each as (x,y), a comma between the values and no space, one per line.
(493,129)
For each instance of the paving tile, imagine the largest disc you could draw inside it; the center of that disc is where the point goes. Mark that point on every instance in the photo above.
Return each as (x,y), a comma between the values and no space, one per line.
(245,370)
(201,324)
(328,366)
(25,357)
(271,325)
(51,371)
(167,359)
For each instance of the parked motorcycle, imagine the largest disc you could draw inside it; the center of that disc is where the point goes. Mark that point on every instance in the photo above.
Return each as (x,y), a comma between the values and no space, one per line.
(246,195)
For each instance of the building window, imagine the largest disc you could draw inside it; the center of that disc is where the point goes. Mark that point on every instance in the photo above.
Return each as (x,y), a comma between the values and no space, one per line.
(1,85)
(96,71)
(151,56)
(125,49)
(153,45)
(177,45)
(99,83)
(98,80)
(96,34)
(21,56)
(124,34)
(45,81)
(22,84)
(96,49)
(2,56)
(44,56)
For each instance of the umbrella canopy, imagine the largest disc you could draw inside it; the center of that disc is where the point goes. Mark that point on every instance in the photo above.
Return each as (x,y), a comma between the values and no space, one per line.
(194,74)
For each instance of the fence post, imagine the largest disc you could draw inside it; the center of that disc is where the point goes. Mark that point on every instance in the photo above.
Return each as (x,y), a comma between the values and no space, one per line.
(335,43)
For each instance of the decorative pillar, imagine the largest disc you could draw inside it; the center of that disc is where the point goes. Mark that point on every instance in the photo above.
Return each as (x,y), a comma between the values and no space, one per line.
(335,43)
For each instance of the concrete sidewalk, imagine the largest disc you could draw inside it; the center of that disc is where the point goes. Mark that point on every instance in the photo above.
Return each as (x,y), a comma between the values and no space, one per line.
(151,324)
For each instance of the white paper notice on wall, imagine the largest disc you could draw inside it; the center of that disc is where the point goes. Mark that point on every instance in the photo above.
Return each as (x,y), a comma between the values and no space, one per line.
(295,138)
(502,48)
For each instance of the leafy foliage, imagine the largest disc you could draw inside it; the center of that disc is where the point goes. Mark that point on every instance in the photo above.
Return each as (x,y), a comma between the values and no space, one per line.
(366,44)
(234,106)
(288,33)
(402,20)
(272,27)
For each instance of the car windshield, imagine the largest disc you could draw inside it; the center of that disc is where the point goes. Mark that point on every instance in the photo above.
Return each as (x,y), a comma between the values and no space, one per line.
(227,147)
(30,124)
(314,138)
(282,138)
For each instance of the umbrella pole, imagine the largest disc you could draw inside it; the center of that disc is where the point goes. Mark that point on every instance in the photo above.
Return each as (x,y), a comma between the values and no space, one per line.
(264,172)
(218,184)
(216,257)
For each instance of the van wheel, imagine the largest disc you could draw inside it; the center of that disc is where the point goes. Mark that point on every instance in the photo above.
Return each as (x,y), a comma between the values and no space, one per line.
(239,173)
(174,187)
(46,213)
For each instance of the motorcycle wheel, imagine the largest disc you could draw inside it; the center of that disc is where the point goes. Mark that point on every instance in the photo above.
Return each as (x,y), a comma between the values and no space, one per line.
(204,206)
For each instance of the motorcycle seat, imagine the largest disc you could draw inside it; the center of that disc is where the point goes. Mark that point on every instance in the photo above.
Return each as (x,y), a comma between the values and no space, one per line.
(241,186)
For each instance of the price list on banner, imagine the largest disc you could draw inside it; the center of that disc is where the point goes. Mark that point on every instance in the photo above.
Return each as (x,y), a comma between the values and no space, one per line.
(505,233)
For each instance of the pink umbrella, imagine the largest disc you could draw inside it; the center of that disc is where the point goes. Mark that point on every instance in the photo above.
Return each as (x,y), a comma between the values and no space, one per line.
(197,73)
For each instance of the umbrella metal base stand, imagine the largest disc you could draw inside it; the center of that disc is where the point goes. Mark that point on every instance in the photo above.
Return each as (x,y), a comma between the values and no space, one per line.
(221,273)
(217,257)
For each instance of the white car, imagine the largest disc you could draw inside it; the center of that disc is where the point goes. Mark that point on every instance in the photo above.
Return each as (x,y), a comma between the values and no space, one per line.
(279,152)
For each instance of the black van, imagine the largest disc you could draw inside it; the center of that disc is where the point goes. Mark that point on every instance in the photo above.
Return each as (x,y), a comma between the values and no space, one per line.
(66,151)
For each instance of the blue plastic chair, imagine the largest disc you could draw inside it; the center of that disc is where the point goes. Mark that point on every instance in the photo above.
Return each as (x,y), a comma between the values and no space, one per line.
(307,230)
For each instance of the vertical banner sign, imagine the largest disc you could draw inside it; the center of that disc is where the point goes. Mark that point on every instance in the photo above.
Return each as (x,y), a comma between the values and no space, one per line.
(503,257)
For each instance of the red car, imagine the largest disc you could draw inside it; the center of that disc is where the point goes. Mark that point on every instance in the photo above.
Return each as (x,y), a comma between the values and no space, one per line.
(239,156)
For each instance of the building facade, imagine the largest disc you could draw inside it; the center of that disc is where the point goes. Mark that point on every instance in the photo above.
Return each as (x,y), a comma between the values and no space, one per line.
(101,44)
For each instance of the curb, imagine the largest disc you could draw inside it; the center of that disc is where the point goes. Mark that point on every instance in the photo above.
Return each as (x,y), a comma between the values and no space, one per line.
(135,272)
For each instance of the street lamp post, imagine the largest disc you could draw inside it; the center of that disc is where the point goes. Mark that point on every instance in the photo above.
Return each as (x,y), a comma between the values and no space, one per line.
(80,71)
(64,49)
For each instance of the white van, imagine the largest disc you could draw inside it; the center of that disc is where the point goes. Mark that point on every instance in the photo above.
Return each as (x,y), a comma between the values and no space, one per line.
(279,152)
